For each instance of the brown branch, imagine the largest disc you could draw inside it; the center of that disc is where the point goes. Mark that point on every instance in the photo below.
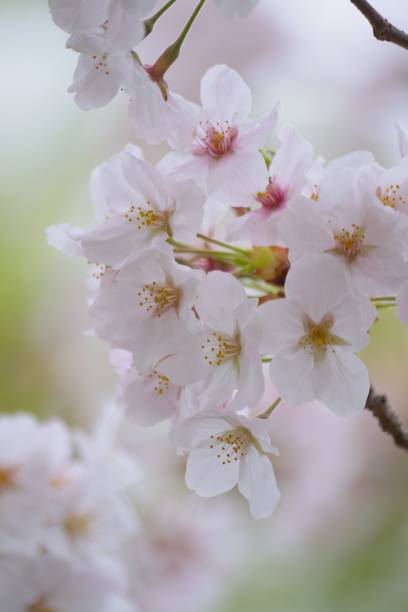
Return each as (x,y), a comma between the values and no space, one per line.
(387,419)
(382,28)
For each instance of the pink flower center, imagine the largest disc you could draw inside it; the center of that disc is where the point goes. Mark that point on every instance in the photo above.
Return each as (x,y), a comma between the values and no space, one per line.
(214,140)
(273,198)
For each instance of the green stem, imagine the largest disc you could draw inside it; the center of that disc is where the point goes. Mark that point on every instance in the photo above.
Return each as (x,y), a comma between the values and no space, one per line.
(149,23)
(223,244)
(271,408)
(266,359)
(390,298)
(382,306)
(169,56)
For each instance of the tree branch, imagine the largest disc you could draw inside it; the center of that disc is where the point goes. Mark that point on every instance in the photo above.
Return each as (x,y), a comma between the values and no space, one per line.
(382,28)
(387,419)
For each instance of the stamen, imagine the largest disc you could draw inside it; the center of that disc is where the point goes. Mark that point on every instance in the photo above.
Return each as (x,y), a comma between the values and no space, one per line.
(231,445)
(350,244)
(391,196)
(77,525)
(218,348)
(161,382)
(272,198)
(214,140)
(147,217)
(156,299)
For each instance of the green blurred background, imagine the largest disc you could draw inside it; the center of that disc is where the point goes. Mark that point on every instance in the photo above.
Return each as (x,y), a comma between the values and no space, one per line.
(340,537)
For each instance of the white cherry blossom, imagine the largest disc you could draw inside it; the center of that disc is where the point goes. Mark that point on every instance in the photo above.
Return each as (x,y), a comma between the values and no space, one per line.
(350,226)
(277,186)
(147,397)
(146,307)
(216,144)
(228,345)
(313,335)
(105,54)
(226,449)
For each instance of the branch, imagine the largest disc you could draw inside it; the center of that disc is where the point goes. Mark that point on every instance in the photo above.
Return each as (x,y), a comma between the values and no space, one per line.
(382,28)
(387,419)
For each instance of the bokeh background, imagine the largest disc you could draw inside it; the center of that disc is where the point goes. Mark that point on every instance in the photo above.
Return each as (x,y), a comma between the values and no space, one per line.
(339,539)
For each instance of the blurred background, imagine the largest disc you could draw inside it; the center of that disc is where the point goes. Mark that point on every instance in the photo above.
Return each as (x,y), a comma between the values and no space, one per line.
(339,539)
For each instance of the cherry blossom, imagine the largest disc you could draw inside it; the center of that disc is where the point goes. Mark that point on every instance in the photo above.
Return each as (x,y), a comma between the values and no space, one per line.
(350,226)
(228,345)
(313,335)
(147,397)
(75,15)
(225,450)
(217,144)
(105,53)
(284,180)
(146,307)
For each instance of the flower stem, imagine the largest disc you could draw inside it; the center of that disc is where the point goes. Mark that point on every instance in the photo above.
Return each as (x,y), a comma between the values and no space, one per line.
(169,56)
(271,408)
(149,23)
(223,244)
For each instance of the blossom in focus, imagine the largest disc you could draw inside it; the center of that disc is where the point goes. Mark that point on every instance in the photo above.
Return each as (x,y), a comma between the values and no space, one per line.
(146,307)
(217,144)
(277,186)
(228,343)
(350,226)
(313,335)
(226,449)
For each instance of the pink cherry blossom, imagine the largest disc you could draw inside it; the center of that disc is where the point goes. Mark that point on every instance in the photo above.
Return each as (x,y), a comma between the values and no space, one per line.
(217,144)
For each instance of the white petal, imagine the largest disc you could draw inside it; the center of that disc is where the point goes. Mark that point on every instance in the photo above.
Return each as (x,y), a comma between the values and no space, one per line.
(207,475)
(257,483)
(65,238)
(93,88)
(236,176)
(189,200)
(291,374)
(279,325)
(340,381)
(218,297)
(319,283)
(236,8)
(225,95)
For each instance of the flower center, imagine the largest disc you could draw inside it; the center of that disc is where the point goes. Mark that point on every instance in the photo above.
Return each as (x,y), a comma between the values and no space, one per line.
(77,525)
(391,196)
(7,478)
(217,348)
(231,445)
(156,299)
(161,383)
(147,218)
(350,244)
(216,140)
(272,198)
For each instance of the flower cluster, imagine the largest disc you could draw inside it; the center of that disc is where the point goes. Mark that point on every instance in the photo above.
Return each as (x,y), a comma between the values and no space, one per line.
(228,255)
(65,516)
(70,536)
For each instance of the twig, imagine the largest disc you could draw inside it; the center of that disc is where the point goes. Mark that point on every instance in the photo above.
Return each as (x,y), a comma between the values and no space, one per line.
(382,28)
(388,420)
